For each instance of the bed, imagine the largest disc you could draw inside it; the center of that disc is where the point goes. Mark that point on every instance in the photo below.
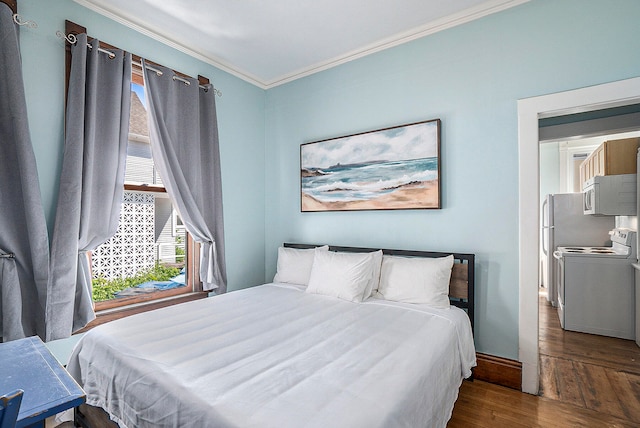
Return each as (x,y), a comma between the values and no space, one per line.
(285,354)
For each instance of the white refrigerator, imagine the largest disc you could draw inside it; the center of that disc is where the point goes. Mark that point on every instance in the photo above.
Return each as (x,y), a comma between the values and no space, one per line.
(564,225)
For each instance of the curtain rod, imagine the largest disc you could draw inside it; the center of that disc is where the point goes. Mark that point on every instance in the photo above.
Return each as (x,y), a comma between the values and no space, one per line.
(178,78)
(72,39)
(18,20)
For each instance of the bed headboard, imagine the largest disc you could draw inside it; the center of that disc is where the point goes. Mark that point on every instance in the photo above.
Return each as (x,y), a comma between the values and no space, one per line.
(461,286)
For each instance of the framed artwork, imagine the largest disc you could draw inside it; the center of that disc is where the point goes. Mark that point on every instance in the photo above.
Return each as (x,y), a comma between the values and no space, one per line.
(395,168)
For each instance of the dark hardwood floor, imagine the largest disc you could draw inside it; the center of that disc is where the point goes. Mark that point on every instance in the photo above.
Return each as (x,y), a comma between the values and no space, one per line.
(586,381)
(485,405)
(594,372)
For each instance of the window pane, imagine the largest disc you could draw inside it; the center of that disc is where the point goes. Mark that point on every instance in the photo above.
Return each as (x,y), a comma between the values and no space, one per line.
(147,254)
(140,167)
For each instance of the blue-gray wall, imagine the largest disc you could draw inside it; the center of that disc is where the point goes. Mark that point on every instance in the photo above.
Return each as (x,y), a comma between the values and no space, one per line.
(240,118)
(469,76)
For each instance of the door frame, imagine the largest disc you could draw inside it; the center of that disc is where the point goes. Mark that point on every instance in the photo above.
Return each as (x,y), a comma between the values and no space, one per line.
(591,98)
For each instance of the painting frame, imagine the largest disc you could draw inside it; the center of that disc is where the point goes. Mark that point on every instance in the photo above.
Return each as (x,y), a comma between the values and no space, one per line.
(393,168)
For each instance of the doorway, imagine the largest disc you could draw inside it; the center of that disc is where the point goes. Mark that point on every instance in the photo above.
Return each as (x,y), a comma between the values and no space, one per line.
(592,372)
(560,162)
(530,110)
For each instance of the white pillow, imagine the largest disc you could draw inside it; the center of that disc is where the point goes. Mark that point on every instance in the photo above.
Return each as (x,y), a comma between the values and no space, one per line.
(373,285)
(416,280)
(342,275)
(294,265)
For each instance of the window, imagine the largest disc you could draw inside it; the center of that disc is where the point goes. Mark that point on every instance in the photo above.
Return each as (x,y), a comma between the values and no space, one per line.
(150,233)
(146,258)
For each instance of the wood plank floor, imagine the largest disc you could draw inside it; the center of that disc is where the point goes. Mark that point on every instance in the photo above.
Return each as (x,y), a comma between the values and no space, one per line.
(590,371)
(586,381)
(485,405)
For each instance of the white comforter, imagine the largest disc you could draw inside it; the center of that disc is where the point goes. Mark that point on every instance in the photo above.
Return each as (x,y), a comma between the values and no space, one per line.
(275,356)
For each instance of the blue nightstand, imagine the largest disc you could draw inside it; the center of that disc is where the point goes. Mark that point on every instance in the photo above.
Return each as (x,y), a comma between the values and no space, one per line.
(48,389)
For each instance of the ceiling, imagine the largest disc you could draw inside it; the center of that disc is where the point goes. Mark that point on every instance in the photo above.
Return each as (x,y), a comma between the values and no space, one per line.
(272,42)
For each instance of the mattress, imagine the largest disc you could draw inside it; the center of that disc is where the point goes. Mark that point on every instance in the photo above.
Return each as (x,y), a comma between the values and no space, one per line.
(275,356)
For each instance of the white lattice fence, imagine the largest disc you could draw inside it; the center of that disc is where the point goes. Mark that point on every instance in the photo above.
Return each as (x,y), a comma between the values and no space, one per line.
(132,248)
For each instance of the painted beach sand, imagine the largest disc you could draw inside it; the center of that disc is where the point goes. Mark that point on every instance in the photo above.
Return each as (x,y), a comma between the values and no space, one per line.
(390,169)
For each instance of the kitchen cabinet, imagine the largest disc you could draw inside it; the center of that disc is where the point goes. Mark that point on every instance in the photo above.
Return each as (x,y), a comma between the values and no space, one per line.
(612,157)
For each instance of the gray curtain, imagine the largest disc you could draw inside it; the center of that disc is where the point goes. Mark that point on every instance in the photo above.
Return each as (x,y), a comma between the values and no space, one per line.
(183,130)
(91,181)
(23,230)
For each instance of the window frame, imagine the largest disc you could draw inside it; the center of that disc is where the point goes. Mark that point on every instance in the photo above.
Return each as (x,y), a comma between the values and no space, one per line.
(110,310)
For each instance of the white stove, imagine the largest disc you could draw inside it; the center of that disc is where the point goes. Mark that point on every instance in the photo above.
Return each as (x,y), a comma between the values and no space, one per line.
(596,286)
(624,246)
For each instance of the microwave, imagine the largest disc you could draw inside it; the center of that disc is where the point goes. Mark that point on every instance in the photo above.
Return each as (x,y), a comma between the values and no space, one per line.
(610,195)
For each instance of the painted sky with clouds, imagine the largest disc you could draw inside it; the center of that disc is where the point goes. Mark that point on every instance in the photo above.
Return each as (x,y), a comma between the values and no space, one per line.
(401,143)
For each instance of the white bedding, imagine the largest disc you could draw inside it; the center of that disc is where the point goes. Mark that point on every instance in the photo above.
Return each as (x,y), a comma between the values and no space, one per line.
(275,356)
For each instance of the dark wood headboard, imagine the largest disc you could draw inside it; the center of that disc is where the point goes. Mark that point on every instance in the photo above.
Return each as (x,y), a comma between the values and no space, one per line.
(461,286)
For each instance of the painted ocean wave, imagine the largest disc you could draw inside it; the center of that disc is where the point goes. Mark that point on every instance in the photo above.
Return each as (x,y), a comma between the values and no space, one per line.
(366,181)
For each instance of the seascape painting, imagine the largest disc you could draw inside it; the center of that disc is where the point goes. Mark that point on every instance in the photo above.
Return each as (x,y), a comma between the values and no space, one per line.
(388,169)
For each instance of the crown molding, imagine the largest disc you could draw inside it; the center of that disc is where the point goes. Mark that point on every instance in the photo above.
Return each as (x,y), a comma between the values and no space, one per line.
(155,35)
(462,17)
(432,27)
